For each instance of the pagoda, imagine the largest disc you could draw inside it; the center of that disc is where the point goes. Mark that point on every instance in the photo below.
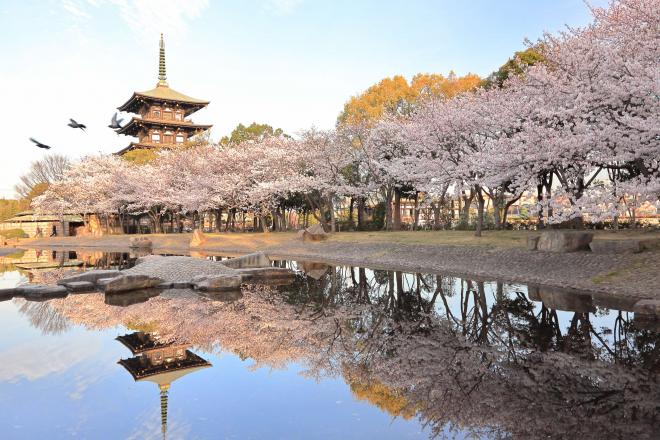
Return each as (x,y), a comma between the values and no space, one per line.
(159,362)
(162,114)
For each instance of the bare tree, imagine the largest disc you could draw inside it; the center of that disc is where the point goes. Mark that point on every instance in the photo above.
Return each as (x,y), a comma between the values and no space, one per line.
(44,171)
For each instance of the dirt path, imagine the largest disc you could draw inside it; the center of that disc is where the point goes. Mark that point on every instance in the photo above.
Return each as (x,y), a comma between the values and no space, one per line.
(630,275)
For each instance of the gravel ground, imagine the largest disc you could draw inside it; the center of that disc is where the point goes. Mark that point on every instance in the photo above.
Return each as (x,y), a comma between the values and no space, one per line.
(628,275)
(173,269)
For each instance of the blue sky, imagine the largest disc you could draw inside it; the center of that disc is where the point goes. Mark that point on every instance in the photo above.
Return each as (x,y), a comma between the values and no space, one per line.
(289,63)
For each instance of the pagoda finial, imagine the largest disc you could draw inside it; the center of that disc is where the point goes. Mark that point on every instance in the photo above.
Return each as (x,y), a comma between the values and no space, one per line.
(162,75)
(163,409)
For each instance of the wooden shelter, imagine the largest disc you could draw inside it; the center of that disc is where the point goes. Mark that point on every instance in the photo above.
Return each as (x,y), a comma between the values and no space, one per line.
(162,114)
(43,225)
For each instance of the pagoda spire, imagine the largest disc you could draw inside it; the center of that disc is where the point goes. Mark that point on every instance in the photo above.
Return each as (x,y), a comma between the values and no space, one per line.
(163,409)
(162,74)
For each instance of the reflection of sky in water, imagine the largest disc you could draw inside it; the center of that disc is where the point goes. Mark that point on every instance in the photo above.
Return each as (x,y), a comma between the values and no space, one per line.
(70,385)
(11,279)
(60,386)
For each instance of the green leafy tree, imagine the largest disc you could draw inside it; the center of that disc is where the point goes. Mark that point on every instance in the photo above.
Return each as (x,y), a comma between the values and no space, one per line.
(253,132)
(516,65)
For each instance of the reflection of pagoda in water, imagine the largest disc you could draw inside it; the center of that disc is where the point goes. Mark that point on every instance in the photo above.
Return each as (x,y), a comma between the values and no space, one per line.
(159,362)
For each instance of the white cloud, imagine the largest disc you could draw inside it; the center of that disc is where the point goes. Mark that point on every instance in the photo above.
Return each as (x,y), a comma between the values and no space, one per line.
(75,9)
(150,17)
(282,7)
(36,359)
(147,18)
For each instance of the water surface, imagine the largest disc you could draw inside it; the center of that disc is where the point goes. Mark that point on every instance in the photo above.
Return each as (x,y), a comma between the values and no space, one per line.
(340,352)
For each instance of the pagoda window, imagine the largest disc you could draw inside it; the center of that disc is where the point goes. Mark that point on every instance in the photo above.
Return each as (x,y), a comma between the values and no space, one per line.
(179,138)
(167,114)
(177,116)
(155,113)
(155,137)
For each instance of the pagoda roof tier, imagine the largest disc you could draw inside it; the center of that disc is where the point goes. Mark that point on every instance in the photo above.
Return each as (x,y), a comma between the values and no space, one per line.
(142,146)
(162,93)
(165,373)
(140,342)
(135,124)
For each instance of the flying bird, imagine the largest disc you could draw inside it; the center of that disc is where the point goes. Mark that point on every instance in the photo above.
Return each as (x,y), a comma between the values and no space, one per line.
(39,144)
(115,123)
(74,124)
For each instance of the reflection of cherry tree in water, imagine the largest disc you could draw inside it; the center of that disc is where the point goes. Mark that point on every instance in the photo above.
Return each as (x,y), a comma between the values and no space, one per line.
(457,353)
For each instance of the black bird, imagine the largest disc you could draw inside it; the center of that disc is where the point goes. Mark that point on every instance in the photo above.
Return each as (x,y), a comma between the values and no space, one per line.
(74,124)
(115,123)
(39,144)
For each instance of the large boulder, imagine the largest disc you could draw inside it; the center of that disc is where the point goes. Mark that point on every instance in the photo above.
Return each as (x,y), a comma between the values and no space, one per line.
(199,239)
(561,299)
(79,286)
(126,283)
(647,307)
(140,243)
(219,283)
(257,259)
(7,294)
(314,270)
(125,299)
(564,241)
(628,246)
(315,233)
(532,242)
(42,292)
(91,276)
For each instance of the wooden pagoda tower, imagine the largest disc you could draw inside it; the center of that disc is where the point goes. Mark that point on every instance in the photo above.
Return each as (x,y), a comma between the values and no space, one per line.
(159,362)
(163,112)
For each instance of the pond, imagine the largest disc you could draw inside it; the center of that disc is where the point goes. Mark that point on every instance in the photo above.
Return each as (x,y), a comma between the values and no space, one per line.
(336,353)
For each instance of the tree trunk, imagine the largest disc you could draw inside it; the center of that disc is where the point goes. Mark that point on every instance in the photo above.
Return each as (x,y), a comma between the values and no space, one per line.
(218,220)
(333,218)
(388,209)
(416,212)
(480,210)
(351,209)
(465,211)
(397,210)
(361,213)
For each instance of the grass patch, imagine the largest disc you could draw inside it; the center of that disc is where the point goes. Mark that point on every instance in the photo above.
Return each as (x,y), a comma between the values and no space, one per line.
(13,233)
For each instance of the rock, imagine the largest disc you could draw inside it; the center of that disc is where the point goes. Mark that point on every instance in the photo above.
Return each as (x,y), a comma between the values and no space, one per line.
(165,285)
(126,283)
(220,283)
(628,246)
(261,273)
(647,307)
(92,276)
(103,281)
(124,299)
(314,270)
(257,259)
(649,244)
(532,242)
(182,285)
(7,294)
(198,278)
(140,243)
(315,233)
(148,257)
(562,299)
(79,286)
(647,322)
(564,241)
(43,292)
(198,239)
